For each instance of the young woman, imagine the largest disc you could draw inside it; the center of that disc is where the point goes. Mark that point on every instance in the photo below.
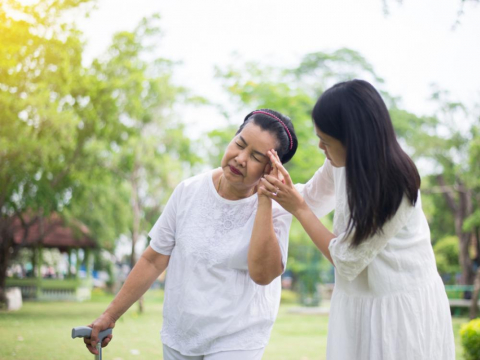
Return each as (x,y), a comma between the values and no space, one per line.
(389,302)
(225,248)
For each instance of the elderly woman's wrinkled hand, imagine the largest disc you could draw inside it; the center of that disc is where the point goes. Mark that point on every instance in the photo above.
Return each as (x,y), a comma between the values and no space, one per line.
(102,323)
(275,172)
(272,170)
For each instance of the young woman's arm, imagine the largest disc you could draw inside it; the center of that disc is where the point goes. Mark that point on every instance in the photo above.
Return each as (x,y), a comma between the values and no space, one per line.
(291,200)
(349,262)
(148,268)
(319,234)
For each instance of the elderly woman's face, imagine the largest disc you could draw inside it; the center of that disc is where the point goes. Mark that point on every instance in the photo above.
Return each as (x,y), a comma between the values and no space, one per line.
(245,159)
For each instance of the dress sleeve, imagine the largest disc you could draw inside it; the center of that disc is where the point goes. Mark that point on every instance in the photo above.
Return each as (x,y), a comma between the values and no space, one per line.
(351,261)
(163,232)
(319,191)
(282,220)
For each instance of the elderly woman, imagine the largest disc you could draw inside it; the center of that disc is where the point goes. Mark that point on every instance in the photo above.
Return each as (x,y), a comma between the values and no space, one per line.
(225,247)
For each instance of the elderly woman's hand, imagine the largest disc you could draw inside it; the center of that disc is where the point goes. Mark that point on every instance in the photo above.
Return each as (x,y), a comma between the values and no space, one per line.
(275,172)
(102,323)
(281,190)
(272,170)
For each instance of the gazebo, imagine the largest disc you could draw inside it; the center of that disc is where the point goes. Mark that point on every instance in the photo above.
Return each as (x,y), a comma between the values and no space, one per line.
(54,233)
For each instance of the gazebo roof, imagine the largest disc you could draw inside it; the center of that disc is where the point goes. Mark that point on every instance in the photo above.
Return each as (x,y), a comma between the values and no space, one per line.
(56,234)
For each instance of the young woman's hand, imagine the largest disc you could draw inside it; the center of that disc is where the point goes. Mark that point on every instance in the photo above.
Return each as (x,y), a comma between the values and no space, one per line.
(282,191)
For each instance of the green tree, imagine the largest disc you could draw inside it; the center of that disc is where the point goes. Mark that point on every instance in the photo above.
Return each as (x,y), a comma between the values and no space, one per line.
(49,125)
(445,143)
(101,144)
(446,255)
(156,152)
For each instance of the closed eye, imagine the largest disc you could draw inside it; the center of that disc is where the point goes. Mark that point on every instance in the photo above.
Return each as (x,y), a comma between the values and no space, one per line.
(256,158)
(253,154)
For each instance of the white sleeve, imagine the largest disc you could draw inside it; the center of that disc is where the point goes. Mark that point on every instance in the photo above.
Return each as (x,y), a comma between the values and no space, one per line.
(282,220)
(351,261)
(319,191)
(163,232)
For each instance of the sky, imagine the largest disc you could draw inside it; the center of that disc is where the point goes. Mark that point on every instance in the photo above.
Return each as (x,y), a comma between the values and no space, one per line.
(413,47)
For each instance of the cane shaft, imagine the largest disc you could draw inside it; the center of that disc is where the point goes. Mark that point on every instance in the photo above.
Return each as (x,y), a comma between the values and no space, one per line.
(99,355)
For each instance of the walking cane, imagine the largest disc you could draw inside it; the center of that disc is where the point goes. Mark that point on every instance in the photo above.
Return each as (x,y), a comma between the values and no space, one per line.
(85,332)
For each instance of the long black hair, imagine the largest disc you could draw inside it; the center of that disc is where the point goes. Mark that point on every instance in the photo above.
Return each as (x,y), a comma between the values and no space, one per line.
(378,172)
(275,123)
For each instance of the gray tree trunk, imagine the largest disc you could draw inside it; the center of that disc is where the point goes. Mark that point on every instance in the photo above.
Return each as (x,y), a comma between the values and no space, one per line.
(460,209)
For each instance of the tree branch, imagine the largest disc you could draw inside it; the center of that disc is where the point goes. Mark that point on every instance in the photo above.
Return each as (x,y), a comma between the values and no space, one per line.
(448,195)
(439,190)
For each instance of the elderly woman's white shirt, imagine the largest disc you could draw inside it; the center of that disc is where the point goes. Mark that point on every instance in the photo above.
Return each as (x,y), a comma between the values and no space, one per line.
(211,303)
(389,302)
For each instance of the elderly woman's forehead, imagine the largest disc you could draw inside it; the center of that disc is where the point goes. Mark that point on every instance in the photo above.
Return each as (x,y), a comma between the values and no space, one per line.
(255,132)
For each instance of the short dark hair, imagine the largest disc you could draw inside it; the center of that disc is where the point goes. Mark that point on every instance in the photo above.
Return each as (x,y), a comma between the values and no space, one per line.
(378,172)
(275,127)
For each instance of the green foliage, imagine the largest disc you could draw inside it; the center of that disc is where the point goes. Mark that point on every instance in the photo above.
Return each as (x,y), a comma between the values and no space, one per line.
(449,144)
(289,297)
(219,139)
(446,144)
(473,181)
(446,254)
(320,70)
(151,158)
(470,337)
(63,119)
(436,209)
(38,74)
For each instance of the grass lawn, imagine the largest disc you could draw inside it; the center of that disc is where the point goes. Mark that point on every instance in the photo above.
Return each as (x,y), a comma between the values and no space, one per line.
(42,331)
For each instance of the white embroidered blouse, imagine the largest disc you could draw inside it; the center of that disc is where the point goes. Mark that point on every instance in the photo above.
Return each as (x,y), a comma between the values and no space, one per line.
(211,303)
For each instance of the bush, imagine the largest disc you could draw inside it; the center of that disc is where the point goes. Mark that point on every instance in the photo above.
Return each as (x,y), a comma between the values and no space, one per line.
(446,255)
(289,297)
(470,337)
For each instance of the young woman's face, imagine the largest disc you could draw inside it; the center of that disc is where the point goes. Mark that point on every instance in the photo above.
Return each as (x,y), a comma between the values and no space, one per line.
(245,159)
(333,148)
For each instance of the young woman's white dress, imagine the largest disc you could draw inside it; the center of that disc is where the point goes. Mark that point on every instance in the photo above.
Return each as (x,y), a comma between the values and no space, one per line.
(211,303)
(389,302)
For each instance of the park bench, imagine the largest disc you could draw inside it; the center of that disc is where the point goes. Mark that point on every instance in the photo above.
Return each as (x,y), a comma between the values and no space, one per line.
(459,296)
